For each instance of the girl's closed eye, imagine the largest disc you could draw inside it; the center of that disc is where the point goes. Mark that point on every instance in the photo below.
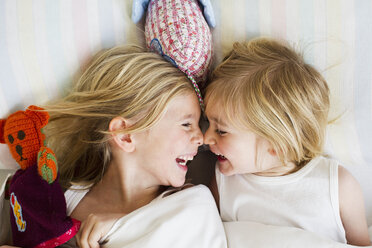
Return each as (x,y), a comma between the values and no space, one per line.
(220,132)
(187,124)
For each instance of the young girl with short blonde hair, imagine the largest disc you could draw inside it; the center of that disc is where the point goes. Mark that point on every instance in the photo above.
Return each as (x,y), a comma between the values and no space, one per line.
(268,113)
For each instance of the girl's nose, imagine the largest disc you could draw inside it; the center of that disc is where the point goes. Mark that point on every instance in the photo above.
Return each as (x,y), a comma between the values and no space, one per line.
(198,137)
(208,137)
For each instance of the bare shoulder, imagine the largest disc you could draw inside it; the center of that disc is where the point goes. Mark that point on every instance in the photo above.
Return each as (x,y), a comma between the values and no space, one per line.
(346,179)
(352,209)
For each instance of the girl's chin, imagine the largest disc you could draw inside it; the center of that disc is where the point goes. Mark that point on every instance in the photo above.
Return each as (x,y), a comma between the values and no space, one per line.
(226,168)
(178,182)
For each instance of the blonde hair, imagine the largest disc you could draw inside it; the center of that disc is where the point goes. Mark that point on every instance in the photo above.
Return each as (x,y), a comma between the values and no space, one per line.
(123,81)
(266,87)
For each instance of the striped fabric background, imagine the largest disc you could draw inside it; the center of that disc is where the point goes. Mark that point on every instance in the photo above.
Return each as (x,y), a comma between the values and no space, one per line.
(43,43)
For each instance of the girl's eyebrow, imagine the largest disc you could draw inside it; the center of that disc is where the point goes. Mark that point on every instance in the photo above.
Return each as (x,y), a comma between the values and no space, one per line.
(186,116)
(218,121)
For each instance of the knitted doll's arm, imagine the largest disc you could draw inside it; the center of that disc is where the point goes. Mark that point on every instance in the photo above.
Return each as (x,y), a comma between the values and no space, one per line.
(140,6)
(138,9)
(47,164)
(208,12)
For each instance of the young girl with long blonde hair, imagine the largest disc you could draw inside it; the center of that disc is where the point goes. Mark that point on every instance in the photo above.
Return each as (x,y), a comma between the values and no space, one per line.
(122,136)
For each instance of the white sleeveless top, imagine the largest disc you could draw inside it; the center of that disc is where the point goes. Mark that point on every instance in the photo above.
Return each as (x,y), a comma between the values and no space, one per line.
(306,199)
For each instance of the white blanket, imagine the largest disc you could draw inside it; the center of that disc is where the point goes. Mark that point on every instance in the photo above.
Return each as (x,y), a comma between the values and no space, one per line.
(257,235)
(188,218)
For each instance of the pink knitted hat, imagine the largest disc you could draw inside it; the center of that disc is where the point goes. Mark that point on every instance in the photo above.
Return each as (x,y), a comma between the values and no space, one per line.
(177,30)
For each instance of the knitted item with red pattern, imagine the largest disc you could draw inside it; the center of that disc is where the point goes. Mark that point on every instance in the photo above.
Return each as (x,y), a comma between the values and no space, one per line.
(177,30)
(38,207)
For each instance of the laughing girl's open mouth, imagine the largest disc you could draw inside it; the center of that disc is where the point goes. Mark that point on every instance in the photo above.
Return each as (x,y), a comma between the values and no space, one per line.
(182,161)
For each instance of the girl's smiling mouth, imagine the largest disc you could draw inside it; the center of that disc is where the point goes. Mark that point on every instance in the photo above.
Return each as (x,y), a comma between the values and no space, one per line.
(182,161)
(221,158)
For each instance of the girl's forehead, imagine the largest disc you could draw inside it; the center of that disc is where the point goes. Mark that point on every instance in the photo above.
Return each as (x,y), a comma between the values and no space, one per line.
(216,114)
(214,107)
(183,106)
(224,116)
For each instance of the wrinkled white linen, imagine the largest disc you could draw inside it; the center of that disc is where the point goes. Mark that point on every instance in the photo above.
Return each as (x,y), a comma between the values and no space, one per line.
(187,218)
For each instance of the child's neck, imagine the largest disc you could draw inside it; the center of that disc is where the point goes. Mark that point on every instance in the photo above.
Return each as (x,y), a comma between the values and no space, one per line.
(131,183)
(124,189)
(280,170)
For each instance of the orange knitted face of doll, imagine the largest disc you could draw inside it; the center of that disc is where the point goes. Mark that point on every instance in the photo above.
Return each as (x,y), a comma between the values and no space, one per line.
(21,131)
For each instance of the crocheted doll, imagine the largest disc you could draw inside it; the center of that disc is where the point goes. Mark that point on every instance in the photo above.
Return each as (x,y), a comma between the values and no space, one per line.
(177,30)
(38,206)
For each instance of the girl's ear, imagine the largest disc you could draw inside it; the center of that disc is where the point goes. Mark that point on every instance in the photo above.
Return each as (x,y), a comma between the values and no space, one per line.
(272,151)
(120,138)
